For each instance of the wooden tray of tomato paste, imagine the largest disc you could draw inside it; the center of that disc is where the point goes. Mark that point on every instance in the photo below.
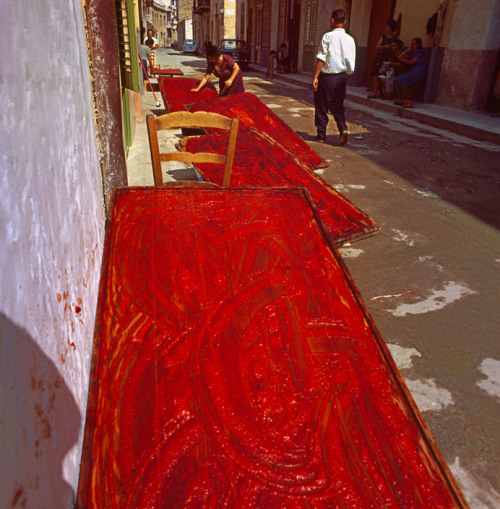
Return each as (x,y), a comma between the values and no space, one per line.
(252,112)
(261,162)
(176,92)
(235,365)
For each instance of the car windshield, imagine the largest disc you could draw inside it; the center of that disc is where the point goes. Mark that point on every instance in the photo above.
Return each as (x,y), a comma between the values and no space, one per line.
(233,44)
(189,41)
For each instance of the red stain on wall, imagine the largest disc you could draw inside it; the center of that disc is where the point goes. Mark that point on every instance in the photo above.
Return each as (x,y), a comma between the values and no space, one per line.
(235,366)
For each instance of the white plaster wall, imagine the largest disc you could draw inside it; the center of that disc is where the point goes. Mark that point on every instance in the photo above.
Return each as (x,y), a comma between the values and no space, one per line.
(51,237)
(469,22)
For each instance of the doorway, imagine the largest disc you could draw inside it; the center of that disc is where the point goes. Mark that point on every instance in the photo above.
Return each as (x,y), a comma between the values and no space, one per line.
(293,36)
(382,11)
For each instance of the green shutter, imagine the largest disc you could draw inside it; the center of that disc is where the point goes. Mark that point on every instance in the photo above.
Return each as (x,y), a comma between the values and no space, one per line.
(127,44)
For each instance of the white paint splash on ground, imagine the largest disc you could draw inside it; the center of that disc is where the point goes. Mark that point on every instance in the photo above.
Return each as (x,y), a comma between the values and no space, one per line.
(403,357)
(491,369)
(367,152)
(477,495)
(402,237)
(319,171)
(344,188)
(427,194)
(428,260)
(428,396)
(273,106)
(437,300)
(350,252)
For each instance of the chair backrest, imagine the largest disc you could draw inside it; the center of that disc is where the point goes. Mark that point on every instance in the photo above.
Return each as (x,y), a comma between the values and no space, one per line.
(188,119)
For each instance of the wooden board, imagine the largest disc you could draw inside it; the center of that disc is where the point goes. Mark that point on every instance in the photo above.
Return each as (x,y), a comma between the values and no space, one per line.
(157,71)
(261,162)
(176,92)
(234,365)
(254,113)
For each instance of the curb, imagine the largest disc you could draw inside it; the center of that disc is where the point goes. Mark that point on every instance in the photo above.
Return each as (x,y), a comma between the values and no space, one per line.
(467,130)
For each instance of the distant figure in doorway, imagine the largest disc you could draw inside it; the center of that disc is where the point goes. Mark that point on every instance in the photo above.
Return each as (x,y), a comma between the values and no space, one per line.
(384,51)
(208,45)
(335,59)
(283,58)
(271,60)
(414,58)
(226,69)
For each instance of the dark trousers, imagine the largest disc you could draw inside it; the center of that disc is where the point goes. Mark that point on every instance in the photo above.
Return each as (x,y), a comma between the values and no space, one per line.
(330,96)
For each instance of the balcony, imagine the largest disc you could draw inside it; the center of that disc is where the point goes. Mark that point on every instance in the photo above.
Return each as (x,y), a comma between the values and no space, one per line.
(201,6)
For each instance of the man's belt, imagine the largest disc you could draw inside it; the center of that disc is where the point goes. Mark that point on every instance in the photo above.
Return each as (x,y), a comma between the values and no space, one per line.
(332,73)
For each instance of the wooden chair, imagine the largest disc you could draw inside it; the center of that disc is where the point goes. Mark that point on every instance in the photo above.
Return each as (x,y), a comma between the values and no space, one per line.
(191,120)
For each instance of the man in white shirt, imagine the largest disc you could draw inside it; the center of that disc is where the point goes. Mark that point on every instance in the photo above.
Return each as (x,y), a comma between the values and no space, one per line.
(336,59)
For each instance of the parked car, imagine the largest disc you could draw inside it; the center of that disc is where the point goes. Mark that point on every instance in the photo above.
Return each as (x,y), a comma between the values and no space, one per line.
(238,49)
(189,47)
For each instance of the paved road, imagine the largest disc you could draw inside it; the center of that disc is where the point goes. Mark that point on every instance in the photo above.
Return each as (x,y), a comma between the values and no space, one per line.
(436,196)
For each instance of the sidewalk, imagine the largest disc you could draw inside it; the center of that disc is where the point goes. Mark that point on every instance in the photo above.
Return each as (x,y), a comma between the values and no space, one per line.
(471,124)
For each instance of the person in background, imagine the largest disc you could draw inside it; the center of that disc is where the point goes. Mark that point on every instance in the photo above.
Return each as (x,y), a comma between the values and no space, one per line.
(208,45)
(414,58)
(390,70)
(145,55)
(335,59)
(226,69)
(384,51)
(155,46)
(283,58)
(271,59)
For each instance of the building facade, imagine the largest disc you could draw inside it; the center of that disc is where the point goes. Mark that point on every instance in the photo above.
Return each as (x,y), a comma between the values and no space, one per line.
(214,20)
(158,16)
(457,36)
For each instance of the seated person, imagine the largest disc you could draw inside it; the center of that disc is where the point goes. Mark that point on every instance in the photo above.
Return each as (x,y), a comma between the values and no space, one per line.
(390,70)
(414,58)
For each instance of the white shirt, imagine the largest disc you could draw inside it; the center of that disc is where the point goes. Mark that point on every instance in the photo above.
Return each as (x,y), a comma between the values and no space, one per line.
(338,52)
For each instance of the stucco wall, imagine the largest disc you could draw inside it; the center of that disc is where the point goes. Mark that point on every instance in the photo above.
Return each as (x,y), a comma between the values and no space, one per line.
(472,49)
(51,237)
(414,17)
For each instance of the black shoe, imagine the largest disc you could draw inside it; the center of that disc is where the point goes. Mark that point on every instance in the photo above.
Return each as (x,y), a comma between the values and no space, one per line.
(343,137)
(320,139)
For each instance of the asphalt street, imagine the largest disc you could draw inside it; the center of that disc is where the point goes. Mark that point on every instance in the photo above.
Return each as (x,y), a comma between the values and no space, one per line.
(429,277)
